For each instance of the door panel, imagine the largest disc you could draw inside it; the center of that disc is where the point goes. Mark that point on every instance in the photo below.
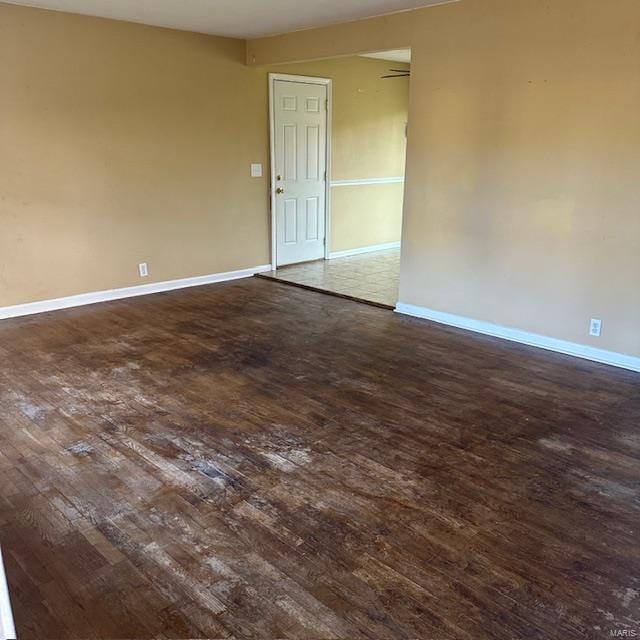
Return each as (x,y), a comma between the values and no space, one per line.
(313,219)
(300,157)
(313,153)
(290,151)
(290,221)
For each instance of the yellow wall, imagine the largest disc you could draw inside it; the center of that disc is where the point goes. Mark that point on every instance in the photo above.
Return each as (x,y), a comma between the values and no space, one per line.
(522,185)
(368,141)
(121,143)
(366,215)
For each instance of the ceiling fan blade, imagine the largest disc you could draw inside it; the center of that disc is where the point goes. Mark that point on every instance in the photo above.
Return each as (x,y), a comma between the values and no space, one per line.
(397,75)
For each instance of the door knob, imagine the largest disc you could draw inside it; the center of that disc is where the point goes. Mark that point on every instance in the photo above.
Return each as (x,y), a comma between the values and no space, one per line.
(279,190)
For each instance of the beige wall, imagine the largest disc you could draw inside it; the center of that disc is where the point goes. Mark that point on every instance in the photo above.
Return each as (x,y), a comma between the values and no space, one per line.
(523,167)
(366,215)
(368,141)
(119,144)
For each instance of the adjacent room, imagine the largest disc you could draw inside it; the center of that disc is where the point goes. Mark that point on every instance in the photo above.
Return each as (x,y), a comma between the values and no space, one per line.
(339,229)
(319,320)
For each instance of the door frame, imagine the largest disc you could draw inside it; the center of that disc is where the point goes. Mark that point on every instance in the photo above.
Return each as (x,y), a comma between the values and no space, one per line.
(273,77)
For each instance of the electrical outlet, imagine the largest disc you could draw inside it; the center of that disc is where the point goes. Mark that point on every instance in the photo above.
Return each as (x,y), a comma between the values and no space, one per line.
(595,328)
(143,270)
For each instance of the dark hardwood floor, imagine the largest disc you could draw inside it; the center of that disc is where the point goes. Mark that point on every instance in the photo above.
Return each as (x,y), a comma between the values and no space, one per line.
(253,460)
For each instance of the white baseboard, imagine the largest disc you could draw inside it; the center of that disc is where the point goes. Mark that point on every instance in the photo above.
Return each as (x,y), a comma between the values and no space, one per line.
(7,628)
(127,292)
(369,249)
(612,358)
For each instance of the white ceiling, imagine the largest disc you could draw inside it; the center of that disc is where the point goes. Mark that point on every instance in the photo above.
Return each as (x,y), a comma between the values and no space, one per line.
(235,18)
(397,55)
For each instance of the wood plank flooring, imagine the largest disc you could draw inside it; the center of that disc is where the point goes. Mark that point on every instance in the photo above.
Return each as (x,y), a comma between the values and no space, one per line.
(253,460)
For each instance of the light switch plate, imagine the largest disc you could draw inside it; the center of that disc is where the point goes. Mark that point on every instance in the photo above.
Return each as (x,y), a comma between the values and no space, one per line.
(256,171)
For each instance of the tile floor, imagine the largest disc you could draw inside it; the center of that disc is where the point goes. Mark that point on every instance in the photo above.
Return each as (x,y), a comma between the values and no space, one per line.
(370,277)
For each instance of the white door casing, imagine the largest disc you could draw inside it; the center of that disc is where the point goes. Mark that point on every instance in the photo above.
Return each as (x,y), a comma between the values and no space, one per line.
(7,628)
(300,154)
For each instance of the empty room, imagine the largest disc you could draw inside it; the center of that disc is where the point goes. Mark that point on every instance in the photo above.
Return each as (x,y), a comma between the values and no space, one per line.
(319,320)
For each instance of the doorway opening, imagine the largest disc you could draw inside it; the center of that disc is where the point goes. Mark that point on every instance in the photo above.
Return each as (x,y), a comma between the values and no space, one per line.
(338,153)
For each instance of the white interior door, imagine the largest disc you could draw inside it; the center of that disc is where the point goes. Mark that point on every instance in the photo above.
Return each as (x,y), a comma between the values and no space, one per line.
(300,163)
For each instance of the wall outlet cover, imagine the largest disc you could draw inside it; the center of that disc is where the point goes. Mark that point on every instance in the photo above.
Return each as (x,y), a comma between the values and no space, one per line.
(256,171)
(143,269)
(595,327)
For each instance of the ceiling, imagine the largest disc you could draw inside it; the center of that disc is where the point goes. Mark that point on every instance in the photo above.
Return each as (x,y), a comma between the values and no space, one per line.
(397,55)
(234,18)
